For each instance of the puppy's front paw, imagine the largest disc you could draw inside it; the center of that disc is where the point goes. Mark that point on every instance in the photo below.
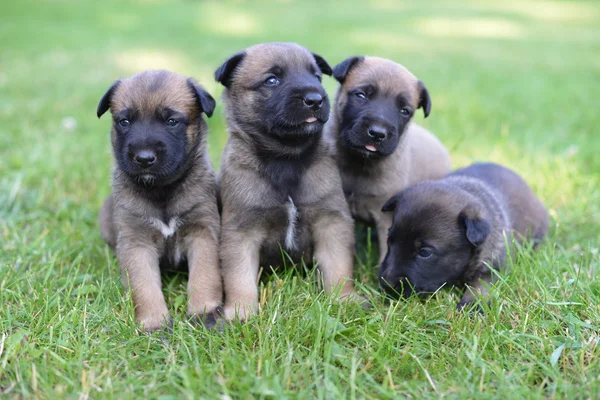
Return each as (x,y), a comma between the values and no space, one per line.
(209,319)
(356,298)
(152,323)
(239,312)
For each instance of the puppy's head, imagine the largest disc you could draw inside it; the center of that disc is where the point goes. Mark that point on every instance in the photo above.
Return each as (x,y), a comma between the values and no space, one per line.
(274,93)
(437,233)
(375,103)
(157,124)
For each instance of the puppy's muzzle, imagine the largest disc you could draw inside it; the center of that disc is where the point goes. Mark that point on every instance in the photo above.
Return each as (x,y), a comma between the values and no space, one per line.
(313,100)
(145,158)
(377,133)
(395,285)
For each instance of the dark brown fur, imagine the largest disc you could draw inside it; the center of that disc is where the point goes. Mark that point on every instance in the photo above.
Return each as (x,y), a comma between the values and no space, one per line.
(165,216)
(409,154)
(270,172)
(452,231)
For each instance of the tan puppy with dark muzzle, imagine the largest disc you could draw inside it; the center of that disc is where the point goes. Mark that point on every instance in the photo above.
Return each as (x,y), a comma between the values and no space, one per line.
(379,150)
(280,187)
(163,209)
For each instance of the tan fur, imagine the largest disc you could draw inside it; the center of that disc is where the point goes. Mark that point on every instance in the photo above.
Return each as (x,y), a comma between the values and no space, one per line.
(254,218)
(387,75)
(134,225)
(419,155)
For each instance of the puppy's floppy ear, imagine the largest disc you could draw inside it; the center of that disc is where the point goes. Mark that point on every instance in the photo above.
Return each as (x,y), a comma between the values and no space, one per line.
(322,64)
(477,228)
(392,203)
(341,70)
(424,99)
(104,104)
(224,73)
(205,101)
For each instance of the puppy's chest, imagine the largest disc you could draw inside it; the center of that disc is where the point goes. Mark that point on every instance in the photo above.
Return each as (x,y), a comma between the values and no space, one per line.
(289,226)
(169,238)
(364,199)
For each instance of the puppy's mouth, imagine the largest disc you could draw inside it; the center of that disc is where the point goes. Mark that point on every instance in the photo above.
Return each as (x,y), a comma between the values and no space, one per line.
(308,127)
(365,150)
(349,139)
(154,178)
(397,288)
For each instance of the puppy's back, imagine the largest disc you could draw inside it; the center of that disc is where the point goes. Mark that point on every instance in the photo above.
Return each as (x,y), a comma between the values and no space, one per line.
(527,214)
(429,159)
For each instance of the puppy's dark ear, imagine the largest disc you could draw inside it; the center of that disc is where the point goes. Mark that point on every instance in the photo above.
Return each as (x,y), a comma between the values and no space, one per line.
(391,204)
(323,65)
(104,104)
(224,73)
(477,228)
(424,99)
(205,101)
(341,70)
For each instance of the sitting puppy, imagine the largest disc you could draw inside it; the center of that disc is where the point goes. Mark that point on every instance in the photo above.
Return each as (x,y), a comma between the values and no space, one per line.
(379,150)
(279,186)
(163,209)
(451,231)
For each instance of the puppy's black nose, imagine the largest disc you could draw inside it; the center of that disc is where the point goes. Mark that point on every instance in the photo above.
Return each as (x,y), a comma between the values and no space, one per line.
(145,158)
(313,100)
(377,133)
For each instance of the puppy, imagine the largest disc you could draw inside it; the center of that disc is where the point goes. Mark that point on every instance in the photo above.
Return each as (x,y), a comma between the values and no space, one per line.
(279,185)
(379,150)
(451,231)
(163,209)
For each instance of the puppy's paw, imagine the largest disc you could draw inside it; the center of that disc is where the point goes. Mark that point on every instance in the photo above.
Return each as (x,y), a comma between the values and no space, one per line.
(153,323)
(366,303)
(239,313)
(208,320)
(354,297)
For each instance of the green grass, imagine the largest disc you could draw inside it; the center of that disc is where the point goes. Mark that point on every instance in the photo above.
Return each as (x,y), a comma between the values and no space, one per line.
(514,82)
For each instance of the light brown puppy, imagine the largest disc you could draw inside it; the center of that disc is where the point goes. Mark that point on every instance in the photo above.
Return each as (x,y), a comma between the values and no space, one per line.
(280,187)
(163,209)
(379,151)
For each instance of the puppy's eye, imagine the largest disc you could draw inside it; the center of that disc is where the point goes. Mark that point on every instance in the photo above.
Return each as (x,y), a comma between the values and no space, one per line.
(424,252)
(124,123)
(361,95)
(171,122)
(272,81)
(319,77)
(405,112)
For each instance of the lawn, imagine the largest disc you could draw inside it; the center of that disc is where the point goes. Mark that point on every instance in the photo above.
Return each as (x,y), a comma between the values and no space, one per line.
(515,82)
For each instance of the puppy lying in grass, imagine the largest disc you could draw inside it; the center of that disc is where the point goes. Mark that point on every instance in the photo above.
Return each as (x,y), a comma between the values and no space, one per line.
(452,231)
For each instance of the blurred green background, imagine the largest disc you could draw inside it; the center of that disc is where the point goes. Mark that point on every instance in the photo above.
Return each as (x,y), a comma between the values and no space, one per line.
(515,82)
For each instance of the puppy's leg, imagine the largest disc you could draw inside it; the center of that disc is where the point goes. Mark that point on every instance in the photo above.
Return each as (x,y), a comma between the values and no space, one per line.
(141,274)
(240,258)
(205,290)
(107,224)
(476,289)
(383,225)
(333,236)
